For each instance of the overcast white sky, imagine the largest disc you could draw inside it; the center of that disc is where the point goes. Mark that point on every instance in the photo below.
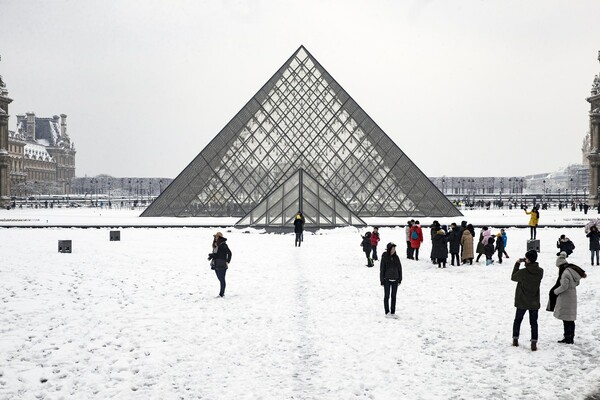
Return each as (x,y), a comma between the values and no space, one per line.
(466,88)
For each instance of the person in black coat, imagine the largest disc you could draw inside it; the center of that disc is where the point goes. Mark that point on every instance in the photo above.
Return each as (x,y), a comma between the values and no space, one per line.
(499,247)
(299,228)
(454,237)
(366,246)
(594,236)
(489,251)
(565,244)
(390,276)
(220,259)
(439,248)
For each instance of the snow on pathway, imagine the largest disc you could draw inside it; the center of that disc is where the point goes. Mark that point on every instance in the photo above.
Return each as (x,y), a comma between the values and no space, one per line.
(139,319)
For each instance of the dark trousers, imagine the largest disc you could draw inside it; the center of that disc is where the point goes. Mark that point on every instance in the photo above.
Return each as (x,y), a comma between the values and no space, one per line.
(221,276)
(369,260)
(569,328)
(595,253)
(454,256)
(500,252)
(374,249)
(298,239)
(409,250)
(533,317)
(386,296)
(533,231)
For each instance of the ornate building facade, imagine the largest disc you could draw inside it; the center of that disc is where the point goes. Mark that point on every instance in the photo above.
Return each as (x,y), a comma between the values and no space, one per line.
(594,141)
(4,155)
(41,153)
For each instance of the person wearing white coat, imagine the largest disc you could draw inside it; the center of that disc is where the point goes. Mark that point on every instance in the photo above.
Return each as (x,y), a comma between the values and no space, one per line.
(565,291)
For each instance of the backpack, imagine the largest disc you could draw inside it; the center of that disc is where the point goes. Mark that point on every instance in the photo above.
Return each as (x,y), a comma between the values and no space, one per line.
(414,235)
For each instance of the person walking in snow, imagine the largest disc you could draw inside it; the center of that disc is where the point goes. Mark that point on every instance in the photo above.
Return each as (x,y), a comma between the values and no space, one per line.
(454,243)
(374,241)
(527,295)
(533,221)
(416,238)
(594,237)
(299,228)
(366,246)
(439,251)
(220,259)
(489,251)
(563,296)
(409,249)
(466,242)
(565,244)
(390,276)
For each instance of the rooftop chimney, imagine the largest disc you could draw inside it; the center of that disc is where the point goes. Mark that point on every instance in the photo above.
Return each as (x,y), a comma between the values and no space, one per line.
(30,126)
(63,125)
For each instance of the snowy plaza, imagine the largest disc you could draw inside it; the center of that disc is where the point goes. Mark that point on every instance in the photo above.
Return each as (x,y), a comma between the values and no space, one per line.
(139,318)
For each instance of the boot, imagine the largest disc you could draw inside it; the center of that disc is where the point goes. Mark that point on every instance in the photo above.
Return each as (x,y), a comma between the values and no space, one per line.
(568,339)
(516,342)
(533,346)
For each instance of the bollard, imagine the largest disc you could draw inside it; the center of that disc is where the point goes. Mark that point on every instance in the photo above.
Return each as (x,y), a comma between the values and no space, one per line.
(533,245)
(64,246)
(115,236)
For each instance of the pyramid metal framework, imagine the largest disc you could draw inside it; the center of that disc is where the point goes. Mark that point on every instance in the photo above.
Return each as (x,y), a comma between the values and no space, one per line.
(301,119)
(301,191)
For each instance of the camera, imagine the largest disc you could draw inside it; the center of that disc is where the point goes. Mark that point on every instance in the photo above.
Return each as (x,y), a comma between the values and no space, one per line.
(211,256)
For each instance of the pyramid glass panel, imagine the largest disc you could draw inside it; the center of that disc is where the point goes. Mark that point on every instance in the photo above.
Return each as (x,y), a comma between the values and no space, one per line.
(301,119)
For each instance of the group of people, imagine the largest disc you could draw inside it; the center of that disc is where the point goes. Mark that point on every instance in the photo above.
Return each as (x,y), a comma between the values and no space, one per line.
(456,242)
(562,298)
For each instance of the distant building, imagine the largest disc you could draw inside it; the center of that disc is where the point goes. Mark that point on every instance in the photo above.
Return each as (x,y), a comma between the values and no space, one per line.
(41,154)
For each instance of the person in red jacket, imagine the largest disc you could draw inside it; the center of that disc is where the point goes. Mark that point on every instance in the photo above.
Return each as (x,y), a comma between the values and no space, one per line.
(374,241)
(416,238)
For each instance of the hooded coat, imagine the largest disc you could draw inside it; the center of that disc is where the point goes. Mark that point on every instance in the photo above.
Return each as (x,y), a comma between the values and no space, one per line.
(439,247)
(535,216)
(527,293)
(222,257)
(566,302)
(466,241)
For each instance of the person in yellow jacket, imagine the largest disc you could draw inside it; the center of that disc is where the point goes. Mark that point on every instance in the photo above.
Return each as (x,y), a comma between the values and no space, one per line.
(533,221)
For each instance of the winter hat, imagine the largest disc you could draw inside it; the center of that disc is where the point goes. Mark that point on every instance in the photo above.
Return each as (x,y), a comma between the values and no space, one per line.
(389,246)
(562,259)
(218,235)
(531,255)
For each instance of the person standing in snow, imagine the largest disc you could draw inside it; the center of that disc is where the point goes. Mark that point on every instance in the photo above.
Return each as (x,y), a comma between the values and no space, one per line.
(366,246)
(390,276)
(484,235)
(563,296)
(527,295)
(454,242)
(439,251)
(416,238)
(409,249)
(299,228)
(594,237)
(466,242)
(220,259)
(499,246)
(374,241)
(505,242)
(489,251)
(533,221)
(435,226)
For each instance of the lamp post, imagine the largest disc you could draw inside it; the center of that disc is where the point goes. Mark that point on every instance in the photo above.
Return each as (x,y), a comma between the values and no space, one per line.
(129,197)
(544,194)
(159,187)
(571,188)
(443,186)
(109,203)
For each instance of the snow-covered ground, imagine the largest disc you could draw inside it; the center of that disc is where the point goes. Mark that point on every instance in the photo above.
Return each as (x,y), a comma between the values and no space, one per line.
(139,318)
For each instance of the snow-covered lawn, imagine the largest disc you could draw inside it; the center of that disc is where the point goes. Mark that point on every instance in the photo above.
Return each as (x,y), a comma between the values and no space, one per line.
(139,319)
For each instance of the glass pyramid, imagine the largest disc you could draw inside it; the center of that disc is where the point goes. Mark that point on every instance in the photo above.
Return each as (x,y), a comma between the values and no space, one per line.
(301,119)
(301,192)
